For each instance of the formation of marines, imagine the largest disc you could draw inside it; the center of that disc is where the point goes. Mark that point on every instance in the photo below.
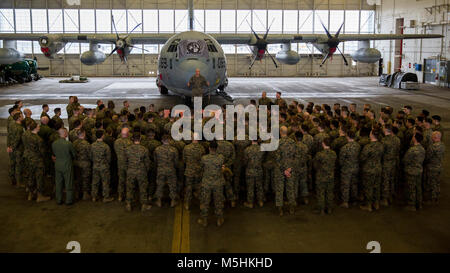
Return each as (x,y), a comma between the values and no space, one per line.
(333,153)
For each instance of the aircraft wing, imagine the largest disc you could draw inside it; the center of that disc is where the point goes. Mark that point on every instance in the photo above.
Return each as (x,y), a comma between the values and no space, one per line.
(314,38)
(136,38)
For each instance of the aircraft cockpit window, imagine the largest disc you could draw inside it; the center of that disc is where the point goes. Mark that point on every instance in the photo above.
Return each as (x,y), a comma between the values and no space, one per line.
(173,46)
(211,46)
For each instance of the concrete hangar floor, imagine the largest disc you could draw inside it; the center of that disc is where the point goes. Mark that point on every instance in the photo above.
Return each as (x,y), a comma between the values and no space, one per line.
(46,227)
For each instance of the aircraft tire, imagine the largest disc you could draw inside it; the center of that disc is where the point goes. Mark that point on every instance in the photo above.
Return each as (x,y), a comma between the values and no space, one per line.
(163,90)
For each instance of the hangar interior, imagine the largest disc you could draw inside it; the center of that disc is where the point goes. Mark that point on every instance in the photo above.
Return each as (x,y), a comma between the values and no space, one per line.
(47,227)
(214,16)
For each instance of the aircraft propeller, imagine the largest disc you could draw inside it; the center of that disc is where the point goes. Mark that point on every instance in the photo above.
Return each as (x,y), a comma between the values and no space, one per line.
(261,46)
(333,43)
(121,44)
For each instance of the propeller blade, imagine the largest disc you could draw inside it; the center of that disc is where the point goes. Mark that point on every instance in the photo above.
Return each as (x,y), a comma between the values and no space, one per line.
(253,61)
(140,48)
(256,35)
(326,30)
(114,25)
(114,50)
(267,32)
(133,30)
(345,60)
(325,59)
(339,31)
(273,59)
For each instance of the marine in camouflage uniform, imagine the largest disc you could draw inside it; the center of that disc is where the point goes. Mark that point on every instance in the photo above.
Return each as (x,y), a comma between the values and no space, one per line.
(239,163)
(151,144)
(226,149)
(197,83)
(101,159)
(324,162)
(433,168)
(212,184)
(302,157)
(413,164)
(254,157)
(14,142)
(82,164)
(349,170)
(285,161)
(138,162)
(371,169)
(26,158)
(192,155)
(391,155)
(120,147)
(166,158)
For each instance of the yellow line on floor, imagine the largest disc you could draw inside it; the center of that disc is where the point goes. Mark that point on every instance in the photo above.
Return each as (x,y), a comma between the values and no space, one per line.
(181,228)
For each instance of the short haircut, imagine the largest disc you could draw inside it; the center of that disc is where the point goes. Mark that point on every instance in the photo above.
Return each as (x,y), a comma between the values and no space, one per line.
(213,145)
(17,116)
(99,133)
(418,137)
(57,110)
(136,137)
(327,141)
(44,106)
(76,123)
(299,136)
(351,134)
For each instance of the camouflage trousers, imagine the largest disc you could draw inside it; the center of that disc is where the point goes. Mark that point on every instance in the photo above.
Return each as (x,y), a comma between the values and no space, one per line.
(231,195)
(180,176)
(36,177)
(282,184)
(432,185)
(325,193)
(252,182)
(371,187)
(192,184)
(269,178)
(16,166)
(26,171)
(301,184)
(83,176)
(206,191)
(138,176)
(169,178)
(349,184)
(151,181)
(389,178)
(101,175)
(238,170)
(414,185)
(122,181)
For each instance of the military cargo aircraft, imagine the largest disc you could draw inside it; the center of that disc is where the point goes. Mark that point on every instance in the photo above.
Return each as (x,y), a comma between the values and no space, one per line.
(184,52)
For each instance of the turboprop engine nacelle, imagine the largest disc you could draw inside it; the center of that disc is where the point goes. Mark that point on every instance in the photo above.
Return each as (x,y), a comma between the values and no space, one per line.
(287,56)
(365,54)
(50,45)
(92,56)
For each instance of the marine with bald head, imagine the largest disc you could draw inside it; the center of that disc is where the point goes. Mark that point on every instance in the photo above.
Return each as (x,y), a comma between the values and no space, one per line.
(120,146)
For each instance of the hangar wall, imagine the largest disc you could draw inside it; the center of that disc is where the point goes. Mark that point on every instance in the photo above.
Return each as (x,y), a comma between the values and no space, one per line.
(353,12)
(420,17)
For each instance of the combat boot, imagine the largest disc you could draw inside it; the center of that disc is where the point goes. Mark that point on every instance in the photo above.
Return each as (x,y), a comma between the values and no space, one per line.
(94,199)
(186,205)
(146,207)
(248,205)
(305,201)
(203,221)
(260,204)
(410,208)
(384,203)
(344,205)
(280,211)
(20,185)
(173,203)
(292,210)
(233,204)
(329,211)
(220,221)
(30,196)
(86,196)
(367,207)
(376,205)
(158,202)
(108,199)
(120,198)
(42,198)
(128,206)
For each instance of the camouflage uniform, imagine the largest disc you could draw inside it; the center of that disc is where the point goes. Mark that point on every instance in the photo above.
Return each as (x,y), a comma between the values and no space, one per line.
(324,163)
(83,168)
(192,156)
(413,162)
(35,156)
(212,184)
(226,149)
(166,158)
(120,147)
(349,168)
(318,139)
(285,158)
(391,156)
(265,101)
(138,162)
(253,156)
(239,164)
(303,157)
(58,121)
(26,157)
(15,142)
(151,145)
(371,169)
(308,140)
(101,158)
(197,84)
(433,168)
